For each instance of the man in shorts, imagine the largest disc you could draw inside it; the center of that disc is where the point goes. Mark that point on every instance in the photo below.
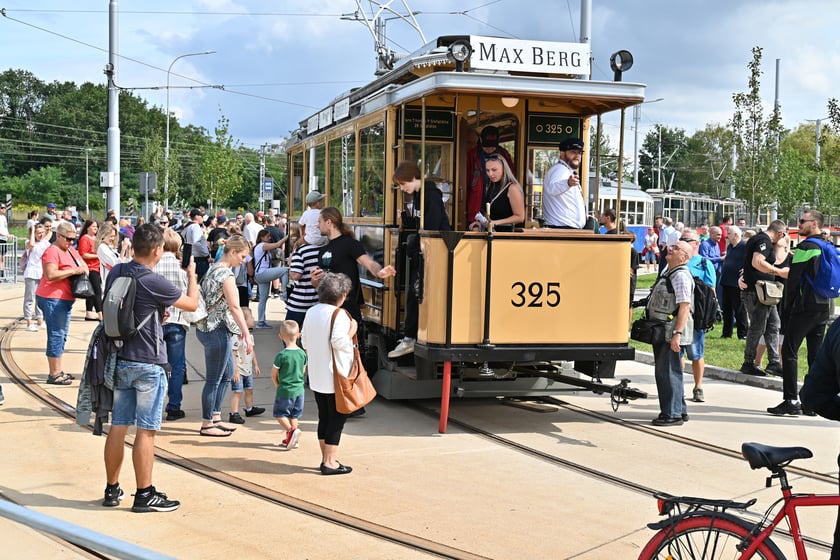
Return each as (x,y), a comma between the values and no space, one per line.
(140,385)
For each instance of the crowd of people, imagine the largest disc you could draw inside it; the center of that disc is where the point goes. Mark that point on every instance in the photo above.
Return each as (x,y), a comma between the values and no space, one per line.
(738,263)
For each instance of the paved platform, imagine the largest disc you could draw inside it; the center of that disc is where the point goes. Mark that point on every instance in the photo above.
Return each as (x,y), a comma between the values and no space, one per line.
(457,488)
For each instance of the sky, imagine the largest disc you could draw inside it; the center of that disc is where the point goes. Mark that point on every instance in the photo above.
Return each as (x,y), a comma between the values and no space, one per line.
(282,61)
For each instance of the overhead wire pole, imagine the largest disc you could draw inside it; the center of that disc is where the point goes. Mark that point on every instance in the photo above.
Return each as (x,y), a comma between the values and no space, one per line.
(112,181)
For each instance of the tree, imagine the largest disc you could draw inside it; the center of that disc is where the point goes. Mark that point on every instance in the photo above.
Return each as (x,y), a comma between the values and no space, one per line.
(755,142)
(671,143)
(219,172)
(708,161)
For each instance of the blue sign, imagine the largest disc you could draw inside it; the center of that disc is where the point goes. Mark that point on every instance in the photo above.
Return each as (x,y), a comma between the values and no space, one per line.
(268,185)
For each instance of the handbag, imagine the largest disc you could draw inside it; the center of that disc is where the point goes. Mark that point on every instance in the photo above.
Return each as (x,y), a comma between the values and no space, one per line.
(199,314)
(80,284)
(769,292)
(356,390)
(645,330)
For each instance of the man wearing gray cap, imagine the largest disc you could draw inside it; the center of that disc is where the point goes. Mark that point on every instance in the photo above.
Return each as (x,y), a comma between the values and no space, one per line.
(562,197)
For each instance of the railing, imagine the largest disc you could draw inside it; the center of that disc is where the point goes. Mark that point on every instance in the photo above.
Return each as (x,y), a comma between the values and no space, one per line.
(77,535)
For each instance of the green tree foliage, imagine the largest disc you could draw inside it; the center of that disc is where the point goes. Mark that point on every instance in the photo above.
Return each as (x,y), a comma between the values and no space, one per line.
(671,144)
(219,173)
(755,140)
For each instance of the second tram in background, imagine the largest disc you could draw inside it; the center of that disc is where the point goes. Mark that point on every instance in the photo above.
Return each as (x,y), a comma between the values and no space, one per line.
(500,313)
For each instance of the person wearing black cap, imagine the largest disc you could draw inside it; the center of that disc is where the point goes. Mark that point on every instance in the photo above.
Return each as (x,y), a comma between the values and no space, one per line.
(477,180)
(563,205)
(194,235)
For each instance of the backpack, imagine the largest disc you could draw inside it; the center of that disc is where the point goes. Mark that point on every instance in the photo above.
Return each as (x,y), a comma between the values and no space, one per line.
(118,305)
(827,282)
(705,308)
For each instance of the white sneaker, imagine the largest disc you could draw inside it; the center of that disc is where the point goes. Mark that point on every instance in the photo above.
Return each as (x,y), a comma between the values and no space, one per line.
(406,346)
(32,328)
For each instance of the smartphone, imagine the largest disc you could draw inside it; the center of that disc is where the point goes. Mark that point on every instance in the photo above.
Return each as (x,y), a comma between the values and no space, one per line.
(186,254)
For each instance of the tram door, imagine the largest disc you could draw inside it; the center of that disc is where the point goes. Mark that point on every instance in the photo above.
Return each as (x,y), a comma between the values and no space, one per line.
(438,168)
(540,161)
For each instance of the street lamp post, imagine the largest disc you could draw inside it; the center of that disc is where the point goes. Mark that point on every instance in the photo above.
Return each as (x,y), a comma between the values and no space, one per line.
(87,183)
(166,151)
(637,114)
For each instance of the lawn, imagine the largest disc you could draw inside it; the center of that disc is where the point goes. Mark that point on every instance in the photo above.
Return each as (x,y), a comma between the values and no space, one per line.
(724,352)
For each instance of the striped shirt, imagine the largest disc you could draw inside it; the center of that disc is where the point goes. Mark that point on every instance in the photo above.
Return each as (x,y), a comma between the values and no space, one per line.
(304,295)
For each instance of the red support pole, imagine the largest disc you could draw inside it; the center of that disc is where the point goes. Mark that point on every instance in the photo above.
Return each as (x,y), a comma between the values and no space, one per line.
(444,396)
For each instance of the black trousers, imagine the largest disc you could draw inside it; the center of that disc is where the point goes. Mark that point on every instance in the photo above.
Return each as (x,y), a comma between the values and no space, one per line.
(94,302)
(800,326)
(733,312)
(330,421)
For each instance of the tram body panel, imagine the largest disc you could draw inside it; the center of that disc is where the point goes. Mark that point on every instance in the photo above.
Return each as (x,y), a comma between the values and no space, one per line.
(545,289)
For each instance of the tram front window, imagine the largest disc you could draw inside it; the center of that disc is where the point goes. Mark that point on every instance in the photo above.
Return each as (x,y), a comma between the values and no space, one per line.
(540,160)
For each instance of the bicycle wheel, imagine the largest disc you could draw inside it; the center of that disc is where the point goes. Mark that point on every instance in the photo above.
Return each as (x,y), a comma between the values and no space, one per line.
(705,537)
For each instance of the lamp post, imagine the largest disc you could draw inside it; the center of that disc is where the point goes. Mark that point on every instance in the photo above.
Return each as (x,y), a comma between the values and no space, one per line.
(637,114)
(166,151)
(87,183)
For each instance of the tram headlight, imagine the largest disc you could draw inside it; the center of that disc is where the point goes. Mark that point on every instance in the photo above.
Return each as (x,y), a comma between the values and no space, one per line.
(460,51)
(620,62)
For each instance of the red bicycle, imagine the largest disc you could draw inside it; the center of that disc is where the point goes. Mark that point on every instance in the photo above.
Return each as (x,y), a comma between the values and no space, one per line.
(698,528)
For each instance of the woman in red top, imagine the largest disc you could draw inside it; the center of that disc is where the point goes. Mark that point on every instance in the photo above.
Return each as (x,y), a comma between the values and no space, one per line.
(87,242)
(55,296)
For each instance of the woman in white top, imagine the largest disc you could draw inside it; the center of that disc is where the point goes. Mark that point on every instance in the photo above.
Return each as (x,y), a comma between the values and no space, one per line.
(106,249)
(35,247)
(323,340)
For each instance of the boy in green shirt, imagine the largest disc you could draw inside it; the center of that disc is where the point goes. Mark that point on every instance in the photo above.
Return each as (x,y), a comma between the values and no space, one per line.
(287,374)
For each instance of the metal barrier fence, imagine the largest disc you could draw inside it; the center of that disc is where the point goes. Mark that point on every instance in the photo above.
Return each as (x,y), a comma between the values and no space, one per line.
(10,255)
(77,535)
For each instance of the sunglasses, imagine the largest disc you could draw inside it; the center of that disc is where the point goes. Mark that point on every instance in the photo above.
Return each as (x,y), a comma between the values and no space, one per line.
(689,240)
(803,220)
(67,238)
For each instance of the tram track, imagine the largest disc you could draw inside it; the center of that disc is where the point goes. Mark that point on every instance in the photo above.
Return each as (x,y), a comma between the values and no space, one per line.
(196,468)
(616,480)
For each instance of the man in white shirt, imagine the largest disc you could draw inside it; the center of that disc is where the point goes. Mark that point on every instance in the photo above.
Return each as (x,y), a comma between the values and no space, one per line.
(563,206)
(251,229)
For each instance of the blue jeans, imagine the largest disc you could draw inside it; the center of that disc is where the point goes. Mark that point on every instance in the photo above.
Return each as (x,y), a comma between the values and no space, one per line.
(139,392)
(264,278)
(669,378)
(57,318)
(175,337)
(218,360)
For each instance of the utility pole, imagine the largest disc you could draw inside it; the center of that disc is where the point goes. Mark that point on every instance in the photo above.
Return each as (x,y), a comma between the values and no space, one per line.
(87,183)
(113,109)
(817,161)
(659,167)
(262,176)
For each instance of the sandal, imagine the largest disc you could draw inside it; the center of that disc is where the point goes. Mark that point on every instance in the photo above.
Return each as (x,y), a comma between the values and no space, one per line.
(59,379)
(225,427)
(69,376)
(208,431)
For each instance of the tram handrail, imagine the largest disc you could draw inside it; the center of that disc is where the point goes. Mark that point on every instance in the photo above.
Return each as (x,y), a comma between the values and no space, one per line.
(78,535)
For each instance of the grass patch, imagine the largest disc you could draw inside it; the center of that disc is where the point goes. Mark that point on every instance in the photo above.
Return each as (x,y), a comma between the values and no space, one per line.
(725,353)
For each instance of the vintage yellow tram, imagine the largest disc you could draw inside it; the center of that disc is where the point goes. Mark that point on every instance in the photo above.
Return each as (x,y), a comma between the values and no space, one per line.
(499,311)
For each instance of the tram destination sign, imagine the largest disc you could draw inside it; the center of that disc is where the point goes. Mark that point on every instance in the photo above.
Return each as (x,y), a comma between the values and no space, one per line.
(440,125)
(551,129)
(497,53)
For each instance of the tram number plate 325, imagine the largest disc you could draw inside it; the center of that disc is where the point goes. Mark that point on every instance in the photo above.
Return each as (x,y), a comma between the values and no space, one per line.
(535,294)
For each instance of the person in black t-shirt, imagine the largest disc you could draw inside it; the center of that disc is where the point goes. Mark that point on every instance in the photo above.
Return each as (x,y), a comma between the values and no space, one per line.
(764,319)
(344,253)
(407,178)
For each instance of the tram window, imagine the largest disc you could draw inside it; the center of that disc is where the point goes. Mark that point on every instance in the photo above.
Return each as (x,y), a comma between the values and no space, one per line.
(317,181)
(372,164)
(438,167)
(297,184)
(540,161)
(343,173)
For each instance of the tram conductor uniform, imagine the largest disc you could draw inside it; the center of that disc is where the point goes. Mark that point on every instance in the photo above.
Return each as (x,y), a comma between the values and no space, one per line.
(563,206)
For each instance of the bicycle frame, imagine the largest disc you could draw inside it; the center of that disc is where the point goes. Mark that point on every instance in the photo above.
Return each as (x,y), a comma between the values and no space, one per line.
(791,503)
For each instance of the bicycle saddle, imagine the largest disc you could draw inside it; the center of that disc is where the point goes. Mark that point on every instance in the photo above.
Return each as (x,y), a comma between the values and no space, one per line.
(759,455)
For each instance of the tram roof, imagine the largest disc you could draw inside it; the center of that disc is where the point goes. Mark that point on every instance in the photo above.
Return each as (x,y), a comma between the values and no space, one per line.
(430,70)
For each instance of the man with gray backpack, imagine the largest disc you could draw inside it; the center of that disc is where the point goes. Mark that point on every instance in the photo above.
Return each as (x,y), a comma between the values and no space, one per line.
(135,302)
